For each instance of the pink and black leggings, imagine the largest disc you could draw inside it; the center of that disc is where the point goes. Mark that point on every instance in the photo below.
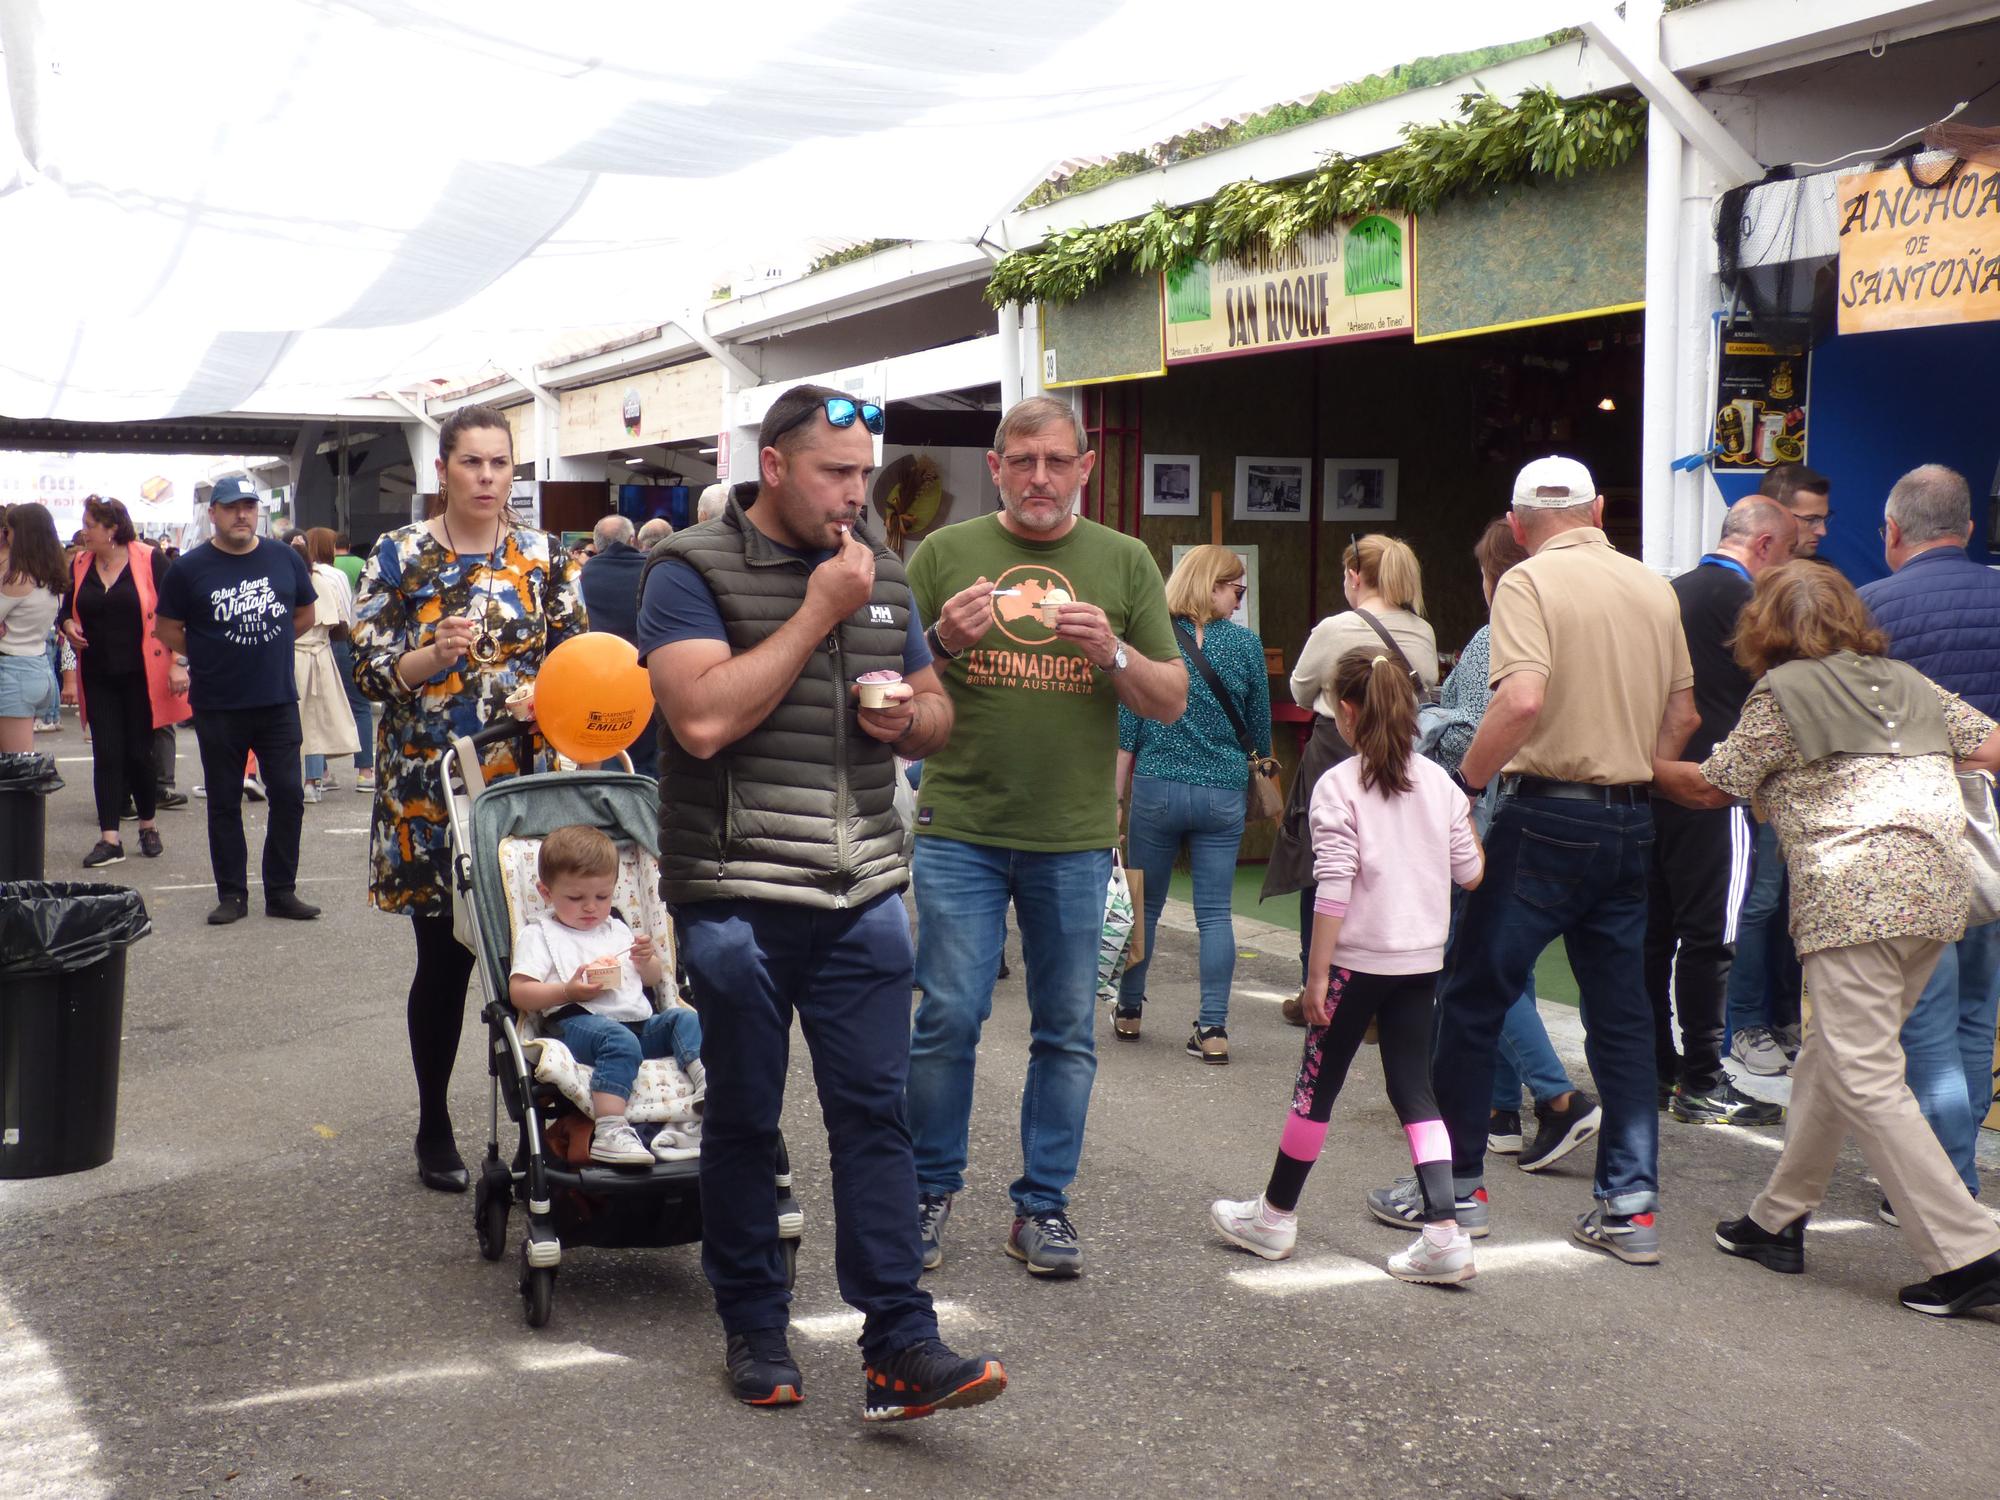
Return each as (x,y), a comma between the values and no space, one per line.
(1400,1005)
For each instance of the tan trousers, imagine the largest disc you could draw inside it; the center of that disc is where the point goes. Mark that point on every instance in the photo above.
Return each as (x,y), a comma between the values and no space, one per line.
(1849,1080)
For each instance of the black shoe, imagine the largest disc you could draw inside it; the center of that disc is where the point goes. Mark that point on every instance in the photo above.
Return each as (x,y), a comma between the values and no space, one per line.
(442,1169)
(762,1371)
(926,1377)
(1723,1105)
(169,799)
(1210,1044)
(287,905)
(1503,1132)
(1784,1251)
(1950,1293)
(103,853)
(129,813)
(229,909)
(149,843)
(1560,1131)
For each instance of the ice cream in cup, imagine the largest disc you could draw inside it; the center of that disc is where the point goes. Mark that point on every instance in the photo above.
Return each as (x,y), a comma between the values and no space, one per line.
(1051,606)
(602,972)
(521,702)
(874,688)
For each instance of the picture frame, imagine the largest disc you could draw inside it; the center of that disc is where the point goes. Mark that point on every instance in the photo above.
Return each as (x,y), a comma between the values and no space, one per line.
(1246,612)
(1172,485)
(1272,489)
(1360,489)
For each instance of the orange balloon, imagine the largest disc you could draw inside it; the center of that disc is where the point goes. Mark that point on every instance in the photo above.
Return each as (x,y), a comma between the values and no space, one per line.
(592,698)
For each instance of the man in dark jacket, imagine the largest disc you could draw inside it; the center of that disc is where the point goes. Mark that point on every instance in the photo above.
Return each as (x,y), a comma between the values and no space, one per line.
(782,857)
(610,583)
(1942,614)
(1701,856)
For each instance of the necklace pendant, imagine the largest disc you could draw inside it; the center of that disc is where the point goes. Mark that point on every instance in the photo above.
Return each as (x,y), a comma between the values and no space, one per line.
(485,648)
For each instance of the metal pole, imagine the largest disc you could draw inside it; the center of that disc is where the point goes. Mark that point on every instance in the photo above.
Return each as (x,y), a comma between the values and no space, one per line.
(1663,346)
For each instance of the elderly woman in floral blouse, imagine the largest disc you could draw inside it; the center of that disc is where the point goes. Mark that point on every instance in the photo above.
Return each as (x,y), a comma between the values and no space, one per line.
(455,613)
(1849,755)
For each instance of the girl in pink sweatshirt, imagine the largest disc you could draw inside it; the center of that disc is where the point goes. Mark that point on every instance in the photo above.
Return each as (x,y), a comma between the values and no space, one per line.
(1391,833)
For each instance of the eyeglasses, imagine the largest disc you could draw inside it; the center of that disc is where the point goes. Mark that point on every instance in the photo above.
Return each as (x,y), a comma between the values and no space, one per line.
(840,412)
(1238,589)
(1023,465)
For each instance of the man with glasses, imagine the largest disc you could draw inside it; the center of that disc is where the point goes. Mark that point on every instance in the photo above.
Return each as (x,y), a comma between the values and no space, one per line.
(1803,492)
(781,854)
(1045,623)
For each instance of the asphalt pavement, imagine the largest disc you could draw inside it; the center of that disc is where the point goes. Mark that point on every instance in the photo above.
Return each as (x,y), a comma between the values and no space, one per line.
(256,1297)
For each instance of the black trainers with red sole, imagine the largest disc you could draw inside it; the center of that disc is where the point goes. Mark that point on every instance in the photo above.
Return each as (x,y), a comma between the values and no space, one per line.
(926,1377)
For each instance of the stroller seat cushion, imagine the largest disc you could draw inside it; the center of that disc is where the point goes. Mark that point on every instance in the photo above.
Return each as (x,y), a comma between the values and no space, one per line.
(663,1092)
(634,896)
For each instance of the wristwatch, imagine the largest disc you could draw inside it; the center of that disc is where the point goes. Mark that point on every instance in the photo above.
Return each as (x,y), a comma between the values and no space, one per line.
(1119,660)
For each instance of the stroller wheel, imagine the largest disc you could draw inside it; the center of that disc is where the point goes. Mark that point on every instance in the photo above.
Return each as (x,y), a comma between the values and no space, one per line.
(790,1250)
(489,1216)
(538,1290)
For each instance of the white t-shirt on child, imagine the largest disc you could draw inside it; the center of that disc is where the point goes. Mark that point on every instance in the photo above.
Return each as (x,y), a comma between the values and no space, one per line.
(552,953)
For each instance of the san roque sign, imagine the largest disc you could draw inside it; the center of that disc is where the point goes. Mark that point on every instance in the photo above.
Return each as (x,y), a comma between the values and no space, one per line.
(1913,255)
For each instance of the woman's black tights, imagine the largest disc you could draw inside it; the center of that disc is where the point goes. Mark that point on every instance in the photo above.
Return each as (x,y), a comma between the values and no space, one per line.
(121,745)
(437,1018)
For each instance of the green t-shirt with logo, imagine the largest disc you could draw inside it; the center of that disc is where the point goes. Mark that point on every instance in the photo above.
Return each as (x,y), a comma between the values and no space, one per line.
(1031,758)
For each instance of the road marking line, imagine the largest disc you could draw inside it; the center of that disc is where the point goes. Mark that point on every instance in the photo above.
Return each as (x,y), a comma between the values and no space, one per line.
(1252,992)
(209,885)
(1840,1226)
(1284,1279)
(845,1325)
(332,1388)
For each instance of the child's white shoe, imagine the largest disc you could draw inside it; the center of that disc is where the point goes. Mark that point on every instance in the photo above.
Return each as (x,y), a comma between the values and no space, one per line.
(1255,1226)
(615,1143)
(1435,1262)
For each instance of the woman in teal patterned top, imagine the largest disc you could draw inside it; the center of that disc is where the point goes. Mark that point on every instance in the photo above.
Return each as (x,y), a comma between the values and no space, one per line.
(1188,781)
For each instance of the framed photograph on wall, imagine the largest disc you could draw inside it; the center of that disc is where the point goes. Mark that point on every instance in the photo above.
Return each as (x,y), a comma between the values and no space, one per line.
(1173,485)
(1360,489)
(1246,608)
(1271,489)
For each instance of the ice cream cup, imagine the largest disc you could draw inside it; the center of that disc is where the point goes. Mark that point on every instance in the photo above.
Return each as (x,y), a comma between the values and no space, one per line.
(602,972)
(1051,606)
(874,688)
(520,702)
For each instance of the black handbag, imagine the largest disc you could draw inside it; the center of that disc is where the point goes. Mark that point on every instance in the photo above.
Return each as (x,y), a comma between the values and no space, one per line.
(1264,797)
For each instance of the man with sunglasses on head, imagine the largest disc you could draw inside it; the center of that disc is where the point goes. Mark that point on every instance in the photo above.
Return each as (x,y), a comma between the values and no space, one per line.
(781,854)
(1046,622)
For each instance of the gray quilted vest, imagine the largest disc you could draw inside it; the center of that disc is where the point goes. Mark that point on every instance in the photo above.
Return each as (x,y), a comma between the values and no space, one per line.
(802,809)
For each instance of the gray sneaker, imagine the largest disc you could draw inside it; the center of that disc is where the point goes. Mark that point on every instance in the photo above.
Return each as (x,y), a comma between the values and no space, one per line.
(932,1210)
(1759,1052)
(1633,1238)
(1402,1204)
(1046,1242)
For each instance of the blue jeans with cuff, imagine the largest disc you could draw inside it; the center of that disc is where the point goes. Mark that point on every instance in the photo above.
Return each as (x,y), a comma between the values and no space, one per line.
(612,1050)
(962,895)
(1527,1058)
(1210,819)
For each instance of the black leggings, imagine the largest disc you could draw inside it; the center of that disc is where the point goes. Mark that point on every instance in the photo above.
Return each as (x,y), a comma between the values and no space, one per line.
(1401,1006)
(437,1017)
(121,744)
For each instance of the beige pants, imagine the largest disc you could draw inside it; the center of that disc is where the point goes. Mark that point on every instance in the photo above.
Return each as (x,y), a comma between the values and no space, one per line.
(1849,1080)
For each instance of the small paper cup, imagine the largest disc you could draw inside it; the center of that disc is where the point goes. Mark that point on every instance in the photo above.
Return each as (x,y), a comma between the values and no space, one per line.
(873,690)
(521,701)
(603,973)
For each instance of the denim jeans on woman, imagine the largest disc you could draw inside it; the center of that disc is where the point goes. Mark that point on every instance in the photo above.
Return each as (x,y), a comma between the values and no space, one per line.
(1210,820)
(1948,1045)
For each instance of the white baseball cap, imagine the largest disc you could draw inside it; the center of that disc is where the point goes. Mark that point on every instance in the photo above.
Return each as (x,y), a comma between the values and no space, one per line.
(1553,483)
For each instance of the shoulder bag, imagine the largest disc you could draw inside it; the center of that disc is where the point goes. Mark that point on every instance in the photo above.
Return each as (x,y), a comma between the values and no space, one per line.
(1982,846)
(1264,798)
(1424,694)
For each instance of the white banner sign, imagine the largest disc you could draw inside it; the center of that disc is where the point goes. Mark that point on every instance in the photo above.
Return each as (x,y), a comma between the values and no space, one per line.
(158,489)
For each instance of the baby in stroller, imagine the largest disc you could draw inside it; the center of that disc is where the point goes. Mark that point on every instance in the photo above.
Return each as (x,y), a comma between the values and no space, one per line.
(580,968)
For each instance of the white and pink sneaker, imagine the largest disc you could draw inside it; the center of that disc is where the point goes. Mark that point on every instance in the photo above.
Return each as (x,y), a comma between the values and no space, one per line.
(1256,1226)
(1437,1257)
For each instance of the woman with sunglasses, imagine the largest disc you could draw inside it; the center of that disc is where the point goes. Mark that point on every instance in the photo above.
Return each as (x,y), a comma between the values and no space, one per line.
(1188,781)
(32,579)
(455,613)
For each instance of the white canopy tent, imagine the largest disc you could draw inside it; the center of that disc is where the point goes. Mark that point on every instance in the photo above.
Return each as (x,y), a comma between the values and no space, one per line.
(273,203)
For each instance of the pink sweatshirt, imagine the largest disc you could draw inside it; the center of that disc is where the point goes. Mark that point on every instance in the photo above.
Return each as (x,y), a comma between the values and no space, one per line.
(1386,865)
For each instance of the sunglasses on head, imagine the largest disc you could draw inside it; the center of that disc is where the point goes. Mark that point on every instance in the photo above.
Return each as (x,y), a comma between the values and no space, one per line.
(840,412)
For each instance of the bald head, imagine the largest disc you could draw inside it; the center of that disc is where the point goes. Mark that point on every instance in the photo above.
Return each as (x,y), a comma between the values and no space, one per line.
(654,532)
(1759,533)
(609,530)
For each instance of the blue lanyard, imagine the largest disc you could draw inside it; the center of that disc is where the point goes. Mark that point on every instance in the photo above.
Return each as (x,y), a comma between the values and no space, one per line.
(1718,560)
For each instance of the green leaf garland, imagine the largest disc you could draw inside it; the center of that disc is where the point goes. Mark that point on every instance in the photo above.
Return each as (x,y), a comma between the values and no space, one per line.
(1493,142)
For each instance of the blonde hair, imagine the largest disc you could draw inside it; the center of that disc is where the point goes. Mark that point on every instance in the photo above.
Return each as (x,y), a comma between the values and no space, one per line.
(1389,568)
(1201,570)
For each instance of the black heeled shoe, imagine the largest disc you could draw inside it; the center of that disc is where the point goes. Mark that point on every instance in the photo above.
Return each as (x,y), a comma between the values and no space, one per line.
(442,1169)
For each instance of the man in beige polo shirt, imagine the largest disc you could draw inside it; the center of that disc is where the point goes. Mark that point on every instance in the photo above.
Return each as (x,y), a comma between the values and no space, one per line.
(1591,679)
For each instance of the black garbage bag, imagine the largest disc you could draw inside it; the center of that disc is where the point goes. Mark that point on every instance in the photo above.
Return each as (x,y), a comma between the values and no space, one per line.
(28,771)
(49,927)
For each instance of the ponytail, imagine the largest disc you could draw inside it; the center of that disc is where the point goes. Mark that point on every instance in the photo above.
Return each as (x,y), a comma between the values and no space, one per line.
(1379,690)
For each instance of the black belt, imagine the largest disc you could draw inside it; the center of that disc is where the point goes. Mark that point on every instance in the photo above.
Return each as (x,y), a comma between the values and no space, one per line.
(1629,794)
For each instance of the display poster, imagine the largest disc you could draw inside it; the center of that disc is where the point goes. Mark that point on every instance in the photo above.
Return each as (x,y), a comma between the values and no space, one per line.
(1913,256)
(1760,402)
(158,489)
(1352,281)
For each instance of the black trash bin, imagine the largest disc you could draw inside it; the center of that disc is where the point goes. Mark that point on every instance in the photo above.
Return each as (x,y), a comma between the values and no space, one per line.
(26,779)
(62,1006)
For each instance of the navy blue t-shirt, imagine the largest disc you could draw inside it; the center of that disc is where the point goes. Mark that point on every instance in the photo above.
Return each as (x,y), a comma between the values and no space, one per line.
(677,605)
(238,614)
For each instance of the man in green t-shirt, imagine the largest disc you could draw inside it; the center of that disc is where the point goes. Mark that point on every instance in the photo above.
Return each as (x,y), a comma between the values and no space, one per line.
(1043,624)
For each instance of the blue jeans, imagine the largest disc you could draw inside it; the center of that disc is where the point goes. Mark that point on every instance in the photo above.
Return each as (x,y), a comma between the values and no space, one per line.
(315,767)
(1526,1057)
(1748,999)
(364,711)
(53,714)
(613,1049)
(847,972)
(1211,820)
(1948,1045)
(962,895)
(1575,870)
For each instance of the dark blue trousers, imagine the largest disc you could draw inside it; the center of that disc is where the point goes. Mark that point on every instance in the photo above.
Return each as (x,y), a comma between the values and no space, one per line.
(848,974)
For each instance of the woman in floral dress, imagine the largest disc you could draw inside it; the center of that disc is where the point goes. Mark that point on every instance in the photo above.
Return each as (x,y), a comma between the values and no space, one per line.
(455,613)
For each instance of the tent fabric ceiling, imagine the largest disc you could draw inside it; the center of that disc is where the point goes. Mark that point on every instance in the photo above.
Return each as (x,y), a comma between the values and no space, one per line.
(271,203)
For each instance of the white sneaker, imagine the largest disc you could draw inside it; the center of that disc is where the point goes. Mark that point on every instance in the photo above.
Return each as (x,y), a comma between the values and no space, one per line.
(314,793)
(1759,1051)
(1255,1226)
(1433,1264)
(614,1142)
(253,788)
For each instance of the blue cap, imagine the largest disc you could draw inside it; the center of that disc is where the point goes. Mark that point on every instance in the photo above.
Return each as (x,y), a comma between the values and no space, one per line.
(231,491)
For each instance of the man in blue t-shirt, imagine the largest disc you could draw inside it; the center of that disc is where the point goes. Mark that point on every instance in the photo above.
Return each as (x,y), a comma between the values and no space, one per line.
(231,608)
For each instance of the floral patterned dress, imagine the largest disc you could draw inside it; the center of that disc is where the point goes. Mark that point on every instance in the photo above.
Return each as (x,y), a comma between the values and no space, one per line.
(528,600)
